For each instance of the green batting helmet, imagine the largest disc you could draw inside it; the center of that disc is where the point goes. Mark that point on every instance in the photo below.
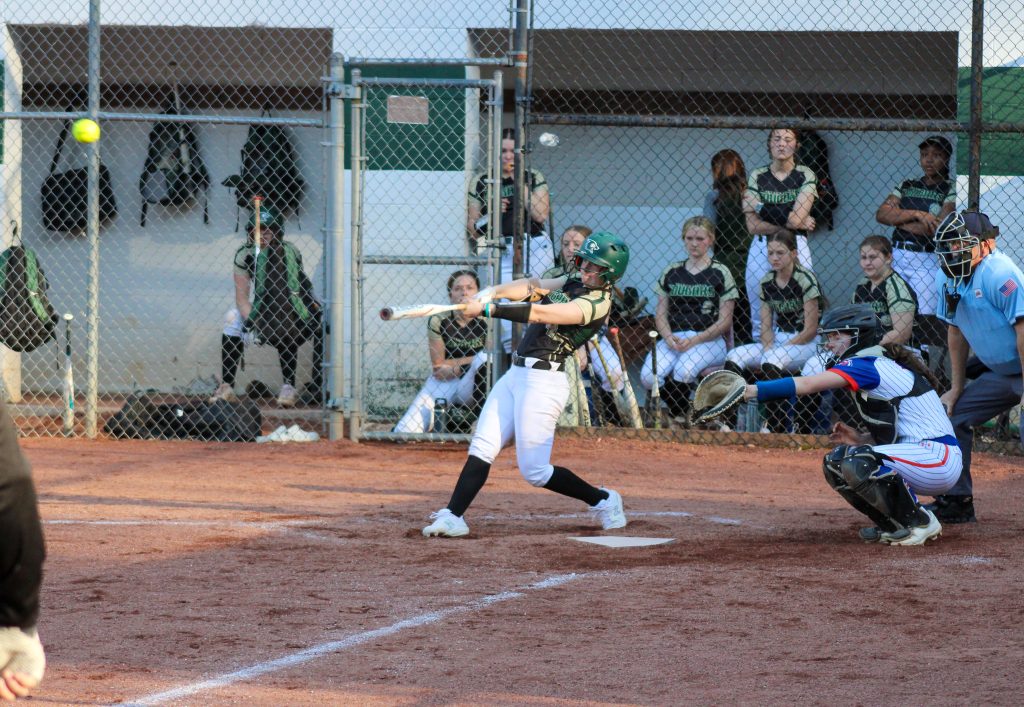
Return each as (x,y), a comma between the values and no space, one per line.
(606,249)
(270,218)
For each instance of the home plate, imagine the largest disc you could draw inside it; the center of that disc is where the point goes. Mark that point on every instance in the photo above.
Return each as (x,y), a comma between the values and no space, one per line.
(622,540)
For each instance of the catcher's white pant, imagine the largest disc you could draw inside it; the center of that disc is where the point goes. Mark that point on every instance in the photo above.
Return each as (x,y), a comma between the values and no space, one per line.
(929,468)
(758,267)
(789,357)
(684,366)
(918,269)
(542,258)
(419,417)
(525,403)
(614,375)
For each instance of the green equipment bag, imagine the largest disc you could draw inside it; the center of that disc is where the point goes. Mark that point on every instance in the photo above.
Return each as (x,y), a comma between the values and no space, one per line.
(27,320)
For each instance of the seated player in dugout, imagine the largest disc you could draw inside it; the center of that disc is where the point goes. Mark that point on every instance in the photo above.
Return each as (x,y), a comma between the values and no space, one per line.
(283,312)
(458,359)
(614,377)
(696,301)
(891,299)
(790,302)
(525,403)
(904,445)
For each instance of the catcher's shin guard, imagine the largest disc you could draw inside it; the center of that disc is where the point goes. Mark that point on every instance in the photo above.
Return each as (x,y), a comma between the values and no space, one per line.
(832,466)
(882,488)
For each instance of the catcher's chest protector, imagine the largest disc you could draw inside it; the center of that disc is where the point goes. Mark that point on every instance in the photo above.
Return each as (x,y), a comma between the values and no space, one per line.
(880,416)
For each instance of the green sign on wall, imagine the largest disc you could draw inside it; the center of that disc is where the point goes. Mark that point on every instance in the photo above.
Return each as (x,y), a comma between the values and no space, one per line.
(1002,101)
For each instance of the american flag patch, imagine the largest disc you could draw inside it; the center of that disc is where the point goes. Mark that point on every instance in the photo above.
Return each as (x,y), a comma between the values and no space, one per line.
(1008,287)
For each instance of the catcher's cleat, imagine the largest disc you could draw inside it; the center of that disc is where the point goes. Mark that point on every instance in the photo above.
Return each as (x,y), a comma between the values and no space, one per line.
(953,509)
(446,524)
(609,511)
(918,535)
(870,535)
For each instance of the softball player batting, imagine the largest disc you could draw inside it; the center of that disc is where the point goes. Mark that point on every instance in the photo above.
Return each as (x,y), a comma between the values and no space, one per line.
(909,448)
(525,403)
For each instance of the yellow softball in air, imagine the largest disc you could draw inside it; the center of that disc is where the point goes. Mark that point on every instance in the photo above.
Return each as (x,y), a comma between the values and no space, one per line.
(85,130)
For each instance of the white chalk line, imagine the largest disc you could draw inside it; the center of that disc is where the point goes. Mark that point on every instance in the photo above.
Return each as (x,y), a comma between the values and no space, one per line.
(318,651)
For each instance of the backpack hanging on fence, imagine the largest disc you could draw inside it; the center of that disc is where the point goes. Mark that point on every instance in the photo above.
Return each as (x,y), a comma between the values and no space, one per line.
(27,320)
(813,153)
(65,195)
(174,173)
(269,169)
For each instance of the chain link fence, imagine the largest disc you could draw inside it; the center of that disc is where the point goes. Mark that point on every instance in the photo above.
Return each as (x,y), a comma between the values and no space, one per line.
(634,102)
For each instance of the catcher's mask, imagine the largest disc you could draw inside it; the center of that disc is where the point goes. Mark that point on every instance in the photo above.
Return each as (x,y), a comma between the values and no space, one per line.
(962,240)
(607,250)
(857,320)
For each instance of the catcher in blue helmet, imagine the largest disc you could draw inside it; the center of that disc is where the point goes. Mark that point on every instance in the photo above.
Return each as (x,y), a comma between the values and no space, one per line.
(561,314)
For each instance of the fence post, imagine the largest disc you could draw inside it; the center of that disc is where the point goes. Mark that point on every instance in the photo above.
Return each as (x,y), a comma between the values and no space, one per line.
(335,373)
(93,231)
(355,419)
(974,134)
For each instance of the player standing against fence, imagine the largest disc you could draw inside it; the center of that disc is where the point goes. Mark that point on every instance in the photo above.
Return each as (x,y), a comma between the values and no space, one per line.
(525,402)
(21,569)
(909,447)
(981,297)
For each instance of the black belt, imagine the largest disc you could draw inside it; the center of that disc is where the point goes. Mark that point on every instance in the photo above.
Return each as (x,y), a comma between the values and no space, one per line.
(538,364)
(914,247)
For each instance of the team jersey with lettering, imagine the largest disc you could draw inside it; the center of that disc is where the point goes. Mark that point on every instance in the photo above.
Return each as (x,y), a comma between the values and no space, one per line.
(554,342)
(991,302)
(459,341)
(920,417)
(891,296)
(915,194)
(536,183)
(694,298)
(777,196)
(787,302)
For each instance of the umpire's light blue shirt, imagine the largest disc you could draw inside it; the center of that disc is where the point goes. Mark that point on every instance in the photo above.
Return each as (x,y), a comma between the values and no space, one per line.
(990,303)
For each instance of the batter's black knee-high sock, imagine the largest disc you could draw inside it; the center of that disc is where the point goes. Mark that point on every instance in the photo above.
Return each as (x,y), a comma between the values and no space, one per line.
(231,349)
(568,484)
(471,480)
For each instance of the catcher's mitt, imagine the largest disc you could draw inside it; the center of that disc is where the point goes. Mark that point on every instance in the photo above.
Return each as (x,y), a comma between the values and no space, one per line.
(716,395)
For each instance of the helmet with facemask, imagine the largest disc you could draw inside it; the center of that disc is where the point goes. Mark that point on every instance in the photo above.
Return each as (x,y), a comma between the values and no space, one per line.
(857,320)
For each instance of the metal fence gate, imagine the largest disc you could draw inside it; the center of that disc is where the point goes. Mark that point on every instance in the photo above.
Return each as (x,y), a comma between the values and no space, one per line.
(417,144)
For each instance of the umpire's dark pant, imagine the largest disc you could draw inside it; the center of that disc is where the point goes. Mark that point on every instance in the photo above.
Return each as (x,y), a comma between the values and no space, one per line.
(987,396)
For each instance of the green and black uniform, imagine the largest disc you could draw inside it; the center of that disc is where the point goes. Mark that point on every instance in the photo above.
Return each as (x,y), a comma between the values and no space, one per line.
(916,195)
(891,296)
(787,302)
(535,183)
(555,342)
(459,341)
(695,298)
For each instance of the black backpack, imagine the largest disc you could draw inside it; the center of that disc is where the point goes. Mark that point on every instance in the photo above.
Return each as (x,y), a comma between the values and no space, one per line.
(65,195)
(269,169)
(27,320)
(174,173)
(813,153)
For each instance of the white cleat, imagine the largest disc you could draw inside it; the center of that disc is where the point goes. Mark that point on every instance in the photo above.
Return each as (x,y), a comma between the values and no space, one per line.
(918,535)
(609,511)
(446,524)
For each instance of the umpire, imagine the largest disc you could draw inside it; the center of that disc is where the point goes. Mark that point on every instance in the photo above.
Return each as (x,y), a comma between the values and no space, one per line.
(981,297)
(21,569)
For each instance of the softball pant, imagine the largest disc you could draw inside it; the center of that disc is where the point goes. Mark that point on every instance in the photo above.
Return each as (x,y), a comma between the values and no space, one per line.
(419,418)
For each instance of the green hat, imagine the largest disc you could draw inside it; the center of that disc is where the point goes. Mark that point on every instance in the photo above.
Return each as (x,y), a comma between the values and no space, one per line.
(269,218)
(606,249)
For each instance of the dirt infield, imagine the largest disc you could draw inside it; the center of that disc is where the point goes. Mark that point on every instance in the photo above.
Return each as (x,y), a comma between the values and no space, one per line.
(216,574)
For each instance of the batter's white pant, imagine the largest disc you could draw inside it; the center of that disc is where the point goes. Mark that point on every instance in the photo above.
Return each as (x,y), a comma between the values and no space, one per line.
(918,269)
(542,258)
(929,468)
(614,375)
(758,267)
(525,403)
(419,418)
(789,357)
(685,366)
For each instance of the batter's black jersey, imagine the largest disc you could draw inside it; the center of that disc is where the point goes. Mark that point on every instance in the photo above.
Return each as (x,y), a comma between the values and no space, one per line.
(892,296)
(787,302)
(555,342)
(459,341)
(535,183)
(694,298)
(777,196)
(916,195)
(21,534)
